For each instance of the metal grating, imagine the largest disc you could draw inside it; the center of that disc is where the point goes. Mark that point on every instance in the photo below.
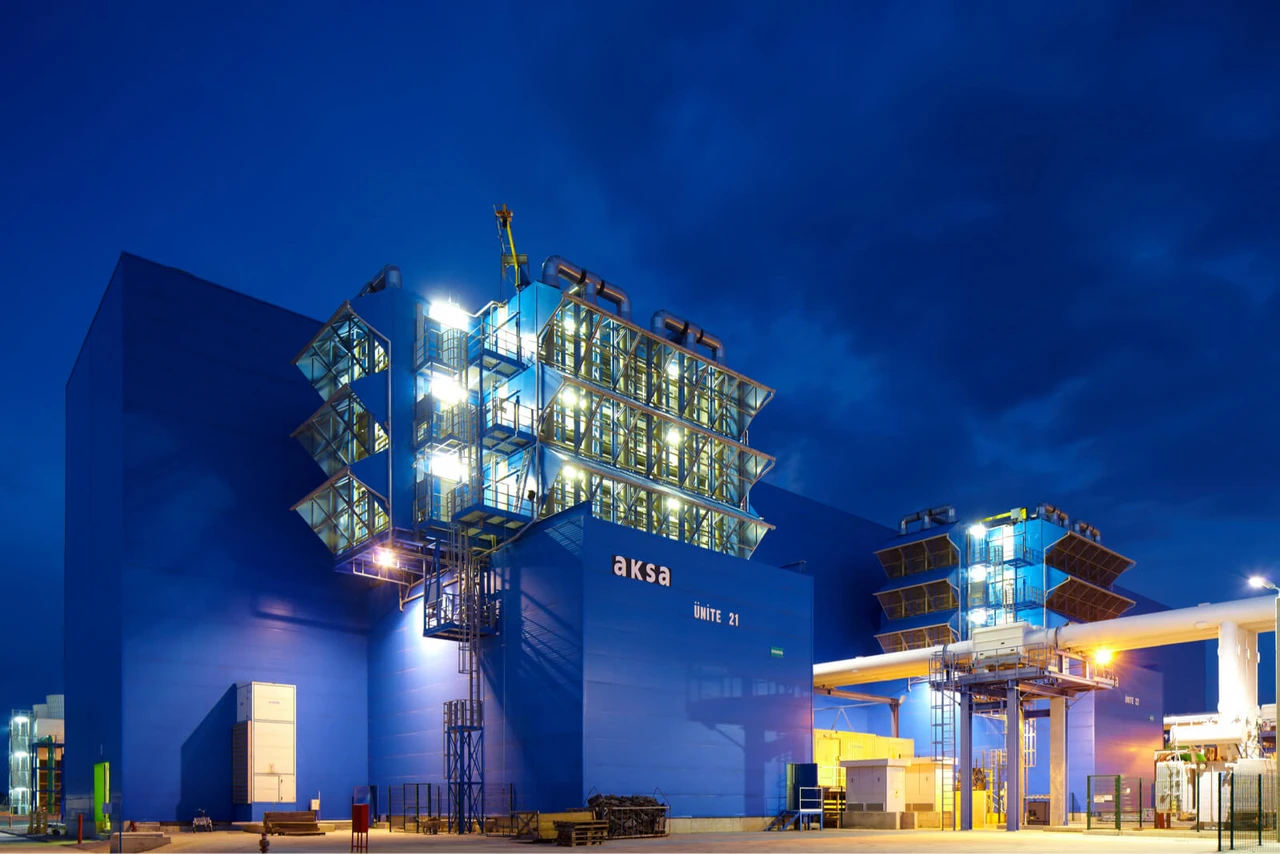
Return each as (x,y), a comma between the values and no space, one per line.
(1083,558)
(920,556)
(922,599)
(1086,603)
(916,638)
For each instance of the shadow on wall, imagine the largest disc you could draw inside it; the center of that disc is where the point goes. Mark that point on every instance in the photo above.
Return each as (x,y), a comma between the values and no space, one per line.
(206,764)
(768,716)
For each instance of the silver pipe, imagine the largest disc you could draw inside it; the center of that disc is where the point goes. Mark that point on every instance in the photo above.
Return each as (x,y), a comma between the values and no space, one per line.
(556,268)
(691,335)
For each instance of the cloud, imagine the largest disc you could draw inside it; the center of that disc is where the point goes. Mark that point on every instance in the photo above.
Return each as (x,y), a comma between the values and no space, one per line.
(986,259)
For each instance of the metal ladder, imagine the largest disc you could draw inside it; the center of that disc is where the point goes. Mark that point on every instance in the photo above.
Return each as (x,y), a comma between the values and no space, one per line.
(942,725)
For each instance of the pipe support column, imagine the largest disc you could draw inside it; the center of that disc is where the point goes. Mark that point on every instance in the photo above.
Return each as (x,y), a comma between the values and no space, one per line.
(1013,760)
(965,762)
(1058,761)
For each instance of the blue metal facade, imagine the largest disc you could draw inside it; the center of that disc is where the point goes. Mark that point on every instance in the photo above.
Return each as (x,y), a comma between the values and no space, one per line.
(185,571)
(598,681)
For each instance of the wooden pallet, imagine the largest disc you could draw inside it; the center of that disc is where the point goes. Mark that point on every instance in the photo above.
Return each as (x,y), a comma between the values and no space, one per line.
(541,827)
(291,824)
(571,834)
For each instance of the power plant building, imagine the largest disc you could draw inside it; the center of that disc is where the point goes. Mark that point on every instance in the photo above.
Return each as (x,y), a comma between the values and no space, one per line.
(520,553)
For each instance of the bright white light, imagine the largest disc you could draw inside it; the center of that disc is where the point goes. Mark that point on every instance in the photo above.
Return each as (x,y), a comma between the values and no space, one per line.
(569,326)
(448,466)
(446,389)
(979,615)
(673,503)
(673,436)
(978,572)
(530,344)
(383,557)
(673,370)
(572,473)
(449,315)
(20,719)
(978,530)
(1257,582)
(1103,656)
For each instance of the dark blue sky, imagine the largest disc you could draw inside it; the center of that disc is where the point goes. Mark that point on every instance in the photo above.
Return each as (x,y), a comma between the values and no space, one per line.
(989,254)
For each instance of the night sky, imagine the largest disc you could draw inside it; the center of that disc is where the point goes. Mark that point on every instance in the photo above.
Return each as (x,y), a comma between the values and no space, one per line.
(989,254)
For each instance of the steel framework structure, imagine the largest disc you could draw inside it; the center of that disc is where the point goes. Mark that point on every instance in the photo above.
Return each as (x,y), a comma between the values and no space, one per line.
(644,426)
(970,684)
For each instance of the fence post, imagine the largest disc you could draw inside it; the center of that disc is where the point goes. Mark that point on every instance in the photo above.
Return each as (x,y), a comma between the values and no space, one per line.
(1141,803)
(1117,802)
(1233,811)
(1259,810)
(1088,805)
(1219,810)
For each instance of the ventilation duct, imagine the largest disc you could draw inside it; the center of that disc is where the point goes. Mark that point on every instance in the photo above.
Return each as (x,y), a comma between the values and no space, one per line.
(1052,514)
(594,288)
(944,515)
(687,334)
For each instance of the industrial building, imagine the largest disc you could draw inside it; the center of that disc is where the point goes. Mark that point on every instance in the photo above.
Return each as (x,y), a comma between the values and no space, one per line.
(35,747)
(520,552)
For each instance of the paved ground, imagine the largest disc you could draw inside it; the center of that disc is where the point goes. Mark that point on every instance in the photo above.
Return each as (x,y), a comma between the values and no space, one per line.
(994,842)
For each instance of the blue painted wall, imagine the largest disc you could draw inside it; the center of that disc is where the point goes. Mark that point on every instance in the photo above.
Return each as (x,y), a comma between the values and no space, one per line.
(702,710)
(1117,731)
(410,679)
(838,549)
(535,666)
(607,683)
(218,581)
(94,546)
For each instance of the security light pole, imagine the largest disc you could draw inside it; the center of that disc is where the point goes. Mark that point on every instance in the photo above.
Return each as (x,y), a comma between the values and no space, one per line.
(1258,583)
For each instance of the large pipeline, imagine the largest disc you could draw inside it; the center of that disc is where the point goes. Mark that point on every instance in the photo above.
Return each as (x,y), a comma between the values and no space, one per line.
(1123,633)
(690,335)
(556,268)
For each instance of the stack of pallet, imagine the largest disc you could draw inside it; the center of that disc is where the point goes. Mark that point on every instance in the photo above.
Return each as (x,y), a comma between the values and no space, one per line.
(571,834)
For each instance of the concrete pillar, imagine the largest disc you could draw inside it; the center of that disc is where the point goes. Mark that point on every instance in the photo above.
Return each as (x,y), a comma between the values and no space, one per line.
(1058,761)
(1013,759)
(965,762)
(1249,650)
(1230,672)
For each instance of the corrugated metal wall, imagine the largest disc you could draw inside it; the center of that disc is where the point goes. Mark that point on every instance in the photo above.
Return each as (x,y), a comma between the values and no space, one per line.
(220,582)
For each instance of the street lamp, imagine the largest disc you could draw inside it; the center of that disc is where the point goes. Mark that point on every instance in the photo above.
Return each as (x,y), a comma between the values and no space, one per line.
(1257,582)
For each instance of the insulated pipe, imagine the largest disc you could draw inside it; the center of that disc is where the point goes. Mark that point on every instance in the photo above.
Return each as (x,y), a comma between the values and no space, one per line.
(556,268)
(1122,633)
(691,335)
(930,516)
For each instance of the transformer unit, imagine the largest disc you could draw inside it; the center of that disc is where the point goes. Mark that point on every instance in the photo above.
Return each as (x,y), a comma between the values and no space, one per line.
(264,744)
